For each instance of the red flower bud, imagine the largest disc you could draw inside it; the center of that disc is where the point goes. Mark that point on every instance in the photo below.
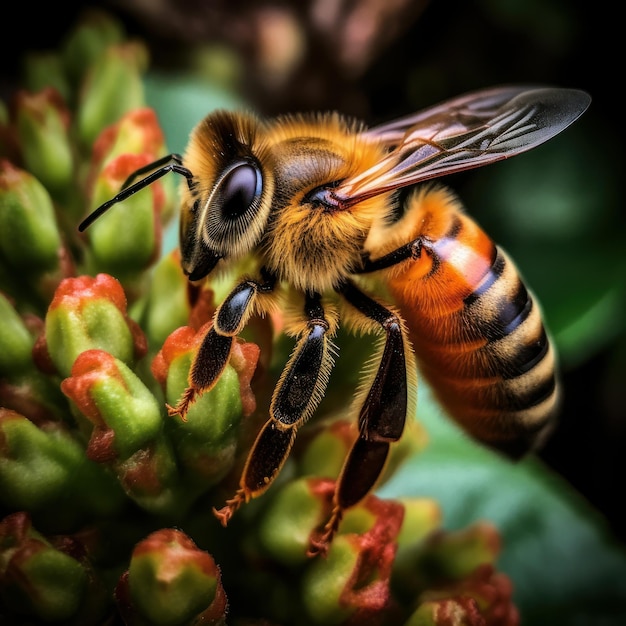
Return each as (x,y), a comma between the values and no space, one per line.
(125,414)
(90,313)
(171,581)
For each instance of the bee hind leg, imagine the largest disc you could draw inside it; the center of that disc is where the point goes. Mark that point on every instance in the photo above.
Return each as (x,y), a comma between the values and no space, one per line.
(381,418)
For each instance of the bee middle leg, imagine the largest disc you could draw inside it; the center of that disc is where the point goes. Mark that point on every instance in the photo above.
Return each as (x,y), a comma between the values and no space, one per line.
(381,419)
(296,396)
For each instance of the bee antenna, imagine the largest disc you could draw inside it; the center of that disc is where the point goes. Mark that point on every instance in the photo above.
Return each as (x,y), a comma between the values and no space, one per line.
(164,165)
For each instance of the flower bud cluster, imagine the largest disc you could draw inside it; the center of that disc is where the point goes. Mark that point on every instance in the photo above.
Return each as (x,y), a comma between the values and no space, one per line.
(106,499)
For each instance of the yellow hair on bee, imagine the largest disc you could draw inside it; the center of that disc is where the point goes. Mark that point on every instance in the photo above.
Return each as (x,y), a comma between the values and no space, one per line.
(326,126)
(314,245)
(219,137)
(296,323)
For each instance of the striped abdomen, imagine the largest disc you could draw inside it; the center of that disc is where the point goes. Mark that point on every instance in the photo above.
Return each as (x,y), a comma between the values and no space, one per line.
(478,335)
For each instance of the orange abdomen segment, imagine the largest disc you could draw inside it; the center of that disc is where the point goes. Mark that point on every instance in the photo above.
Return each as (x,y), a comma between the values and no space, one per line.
(479,338)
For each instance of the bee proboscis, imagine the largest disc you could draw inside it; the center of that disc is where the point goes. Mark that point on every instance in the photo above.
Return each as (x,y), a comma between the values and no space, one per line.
(329,210)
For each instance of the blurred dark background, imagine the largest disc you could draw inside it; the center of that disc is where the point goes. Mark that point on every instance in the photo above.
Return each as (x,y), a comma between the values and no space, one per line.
(382,59)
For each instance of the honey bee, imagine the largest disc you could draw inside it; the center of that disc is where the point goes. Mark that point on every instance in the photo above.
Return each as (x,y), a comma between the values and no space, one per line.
(332,213)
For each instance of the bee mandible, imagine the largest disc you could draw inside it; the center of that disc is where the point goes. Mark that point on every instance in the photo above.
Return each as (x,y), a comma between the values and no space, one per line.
(332,214)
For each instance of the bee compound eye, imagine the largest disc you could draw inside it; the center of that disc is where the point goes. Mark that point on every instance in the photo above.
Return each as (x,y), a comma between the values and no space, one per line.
(240,188)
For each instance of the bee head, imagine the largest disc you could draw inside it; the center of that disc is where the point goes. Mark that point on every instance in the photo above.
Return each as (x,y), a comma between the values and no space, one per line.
(226,207)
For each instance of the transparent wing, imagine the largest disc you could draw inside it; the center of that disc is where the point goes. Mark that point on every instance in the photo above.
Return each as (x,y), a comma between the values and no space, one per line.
(462,133)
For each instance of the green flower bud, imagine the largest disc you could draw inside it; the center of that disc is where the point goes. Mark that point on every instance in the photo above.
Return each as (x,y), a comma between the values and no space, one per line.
(444,557)
(23,387)
(37,580)
(171,582)
(456,554)
(350,585)
(125,414)
(327,450)
(326,581)
(300,507)
(206,439)
(167,304)
(44,69)
(32,474)
(90,313)
(44,469)
(352,582)
(128,240)
(112,86)
(127,433)
(136,132)
(42,122)
(421,517)
(150,477)
(29,237)
(287,522)
(16,342)
(95,31)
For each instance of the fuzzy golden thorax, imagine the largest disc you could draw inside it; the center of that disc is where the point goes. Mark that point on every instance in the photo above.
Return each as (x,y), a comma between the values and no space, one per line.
(311,244)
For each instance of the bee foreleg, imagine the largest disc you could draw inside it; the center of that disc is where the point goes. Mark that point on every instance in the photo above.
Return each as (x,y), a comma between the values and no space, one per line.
(297,395)
(212,356)
(381,418)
